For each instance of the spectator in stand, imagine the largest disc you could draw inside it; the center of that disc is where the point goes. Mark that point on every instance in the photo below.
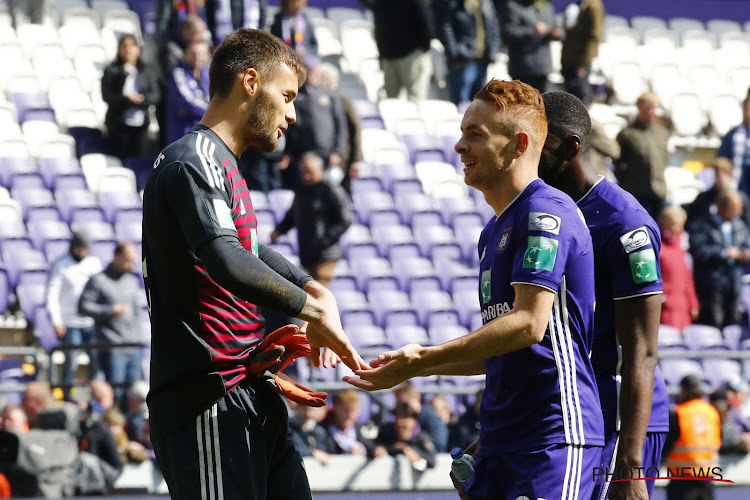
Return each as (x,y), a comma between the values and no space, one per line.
(705,202)
(129,87)
(36,397)
(735,430)
(130,451)
(581,46)
(719,246)
(261,169)
(442,409)
(466,430)
(187,91)
(352,155)
(680,303)
(136,410)
(735,145)
(13,419)
(341,424)
(428,420)
(603,150)
(470,32)
(403,31)
(192,29)
(528,28)
(292,25)
(308,434)
(321,213)
(111,298)
(102,397)
(96,438)
(320,127)
(403,437)
(33,10)
(68,275)
(644,157)
(737,391)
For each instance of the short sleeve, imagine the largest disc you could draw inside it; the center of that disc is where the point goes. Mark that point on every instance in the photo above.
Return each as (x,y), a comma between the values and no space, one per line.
(633,250)
(546,236)
(201,209)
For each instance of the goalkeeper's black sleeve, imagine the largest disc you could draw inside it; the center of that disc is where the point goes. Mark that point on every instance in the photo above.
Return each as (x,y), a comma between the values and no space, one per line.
(248,277)
(281,265)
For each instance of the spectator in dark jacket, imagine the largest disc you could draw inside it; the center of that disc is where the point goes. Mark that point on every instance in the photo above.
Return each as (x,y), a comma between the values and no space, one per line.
(192,29)
(735,429)
(426,416)
(341,424)
(129,87)
(403,30)
(321,213)
(404,437)
(308,434)
(292,25)
(735,145)
(470,33)
(705,202)
(466,430)
(187,91)
(111,298)
(719,246)
(528,28)
(581,46)
(680,305)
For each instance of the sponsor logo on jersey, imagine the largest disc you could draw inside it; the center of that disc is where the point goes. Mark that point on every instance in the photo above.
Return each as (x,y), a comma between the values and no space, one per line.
(223,214)
(495,311)
(486,286)
(503,244)
(643,266)
(540,221)
(633,240)
(540,253)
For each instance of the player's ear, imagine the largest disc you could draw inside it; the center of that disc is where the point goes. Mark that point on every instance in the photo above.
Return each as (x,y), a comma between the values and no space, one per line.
(571,147)
(250,81)
(522,143)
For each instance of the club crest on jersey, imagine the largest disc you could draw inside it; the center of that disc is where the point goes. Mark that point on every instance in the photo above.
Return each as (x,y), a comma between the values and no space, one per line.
(633,240)
(540,221)
(503,244)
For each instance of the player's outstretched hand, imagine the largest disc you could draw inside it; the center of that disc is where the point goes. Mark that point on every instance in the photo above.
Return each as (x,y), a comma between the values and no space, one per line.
(327,357)
(390,369)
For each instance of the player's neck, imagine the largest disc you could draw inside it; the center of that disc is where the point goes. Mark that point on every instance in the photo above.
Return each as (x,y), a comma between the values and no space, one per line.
(219,118)
(579,180)
(508,185)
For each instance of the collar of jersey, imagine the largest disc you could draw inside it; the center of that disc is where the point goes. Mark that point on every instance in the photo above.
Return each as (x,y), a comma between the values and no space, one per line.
(497,216)
(601,178)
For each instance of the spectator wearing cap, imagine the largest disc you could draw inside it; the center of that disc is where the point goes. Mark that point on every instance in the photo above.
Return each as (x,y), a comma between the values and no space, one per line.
(735,429)
(67,278)
(735,145)
(705,203)
(403,32)
(644,156)
(403,436)
(292,25)
(111,298)
(693,441)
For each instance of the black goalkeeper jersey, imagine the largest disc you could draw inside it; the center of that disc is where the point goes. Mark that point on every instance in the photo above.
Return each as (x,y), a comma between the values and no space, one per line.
(202,333)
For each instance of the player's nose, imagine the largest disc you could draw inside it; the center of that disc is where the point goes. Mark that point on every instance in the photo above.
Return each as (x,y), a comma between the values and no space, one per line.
(291,114)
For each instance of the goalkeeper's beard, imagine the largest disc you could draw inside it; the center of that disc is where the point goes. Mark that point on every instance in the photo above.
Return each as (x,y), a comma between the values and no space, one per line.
(262,124)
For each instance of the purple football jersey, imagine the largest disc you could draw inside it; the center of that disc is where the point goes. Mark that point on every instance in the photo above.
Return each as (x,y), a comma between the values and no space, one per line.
(626,254)
(546,393)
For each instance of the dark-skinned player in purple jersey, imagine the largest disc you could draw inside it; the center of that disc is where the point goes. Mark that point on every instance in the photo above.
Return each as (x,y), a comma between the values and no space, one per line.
(218,423)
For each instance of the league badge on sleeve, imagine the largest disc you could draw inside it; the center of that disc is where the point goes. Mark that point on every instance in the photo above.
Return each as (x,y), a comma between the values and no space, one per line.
(540,253)
(643,266)
(540,221)
(635,239)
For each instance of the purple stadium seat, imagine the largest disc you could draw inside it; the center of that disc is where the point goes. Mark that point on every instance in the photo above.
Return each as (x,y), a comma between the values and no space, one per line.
(460,284)
(32,198)
(28,102)
(103,250)
(467,238)
(342,283)
(413,202)
(407,334)
(13,230)
(54,170)
(282,249)
(429,302)
(74,200)
(422,147)
(401,252)
(440,318)
(354,319)
(386,236)
(367,270)
(33,279)
(467,303)
(361,251)
(384,219)
(391,173)
(42,231)
(259,200)
(44,330)
(369,337)
(129,231)
(30,297)
(356,234)
(43,213)
(266,219)
(29,261)
(440,334)
(280,200)
(96,231)
(116,201)
(449,270)
(54,249)
(734,334)
(12,166)
(369,202)
(703,337)
(407,187)
(28,181)
(413,269)
(15,246)
(5,289)
(352,300)
(476,321)
(388,302)
(40,114)
(452,206)
(128,216)
(468,220)
(429,237)
(674,370)
(720,371)
(367,184)
(85,216)
(670,338)
(366,109)
(373,122)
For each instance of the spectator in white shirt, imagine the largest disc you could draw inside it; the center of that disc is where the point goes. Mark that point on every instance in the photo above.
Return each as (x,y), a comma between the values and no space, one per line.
(68,276)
